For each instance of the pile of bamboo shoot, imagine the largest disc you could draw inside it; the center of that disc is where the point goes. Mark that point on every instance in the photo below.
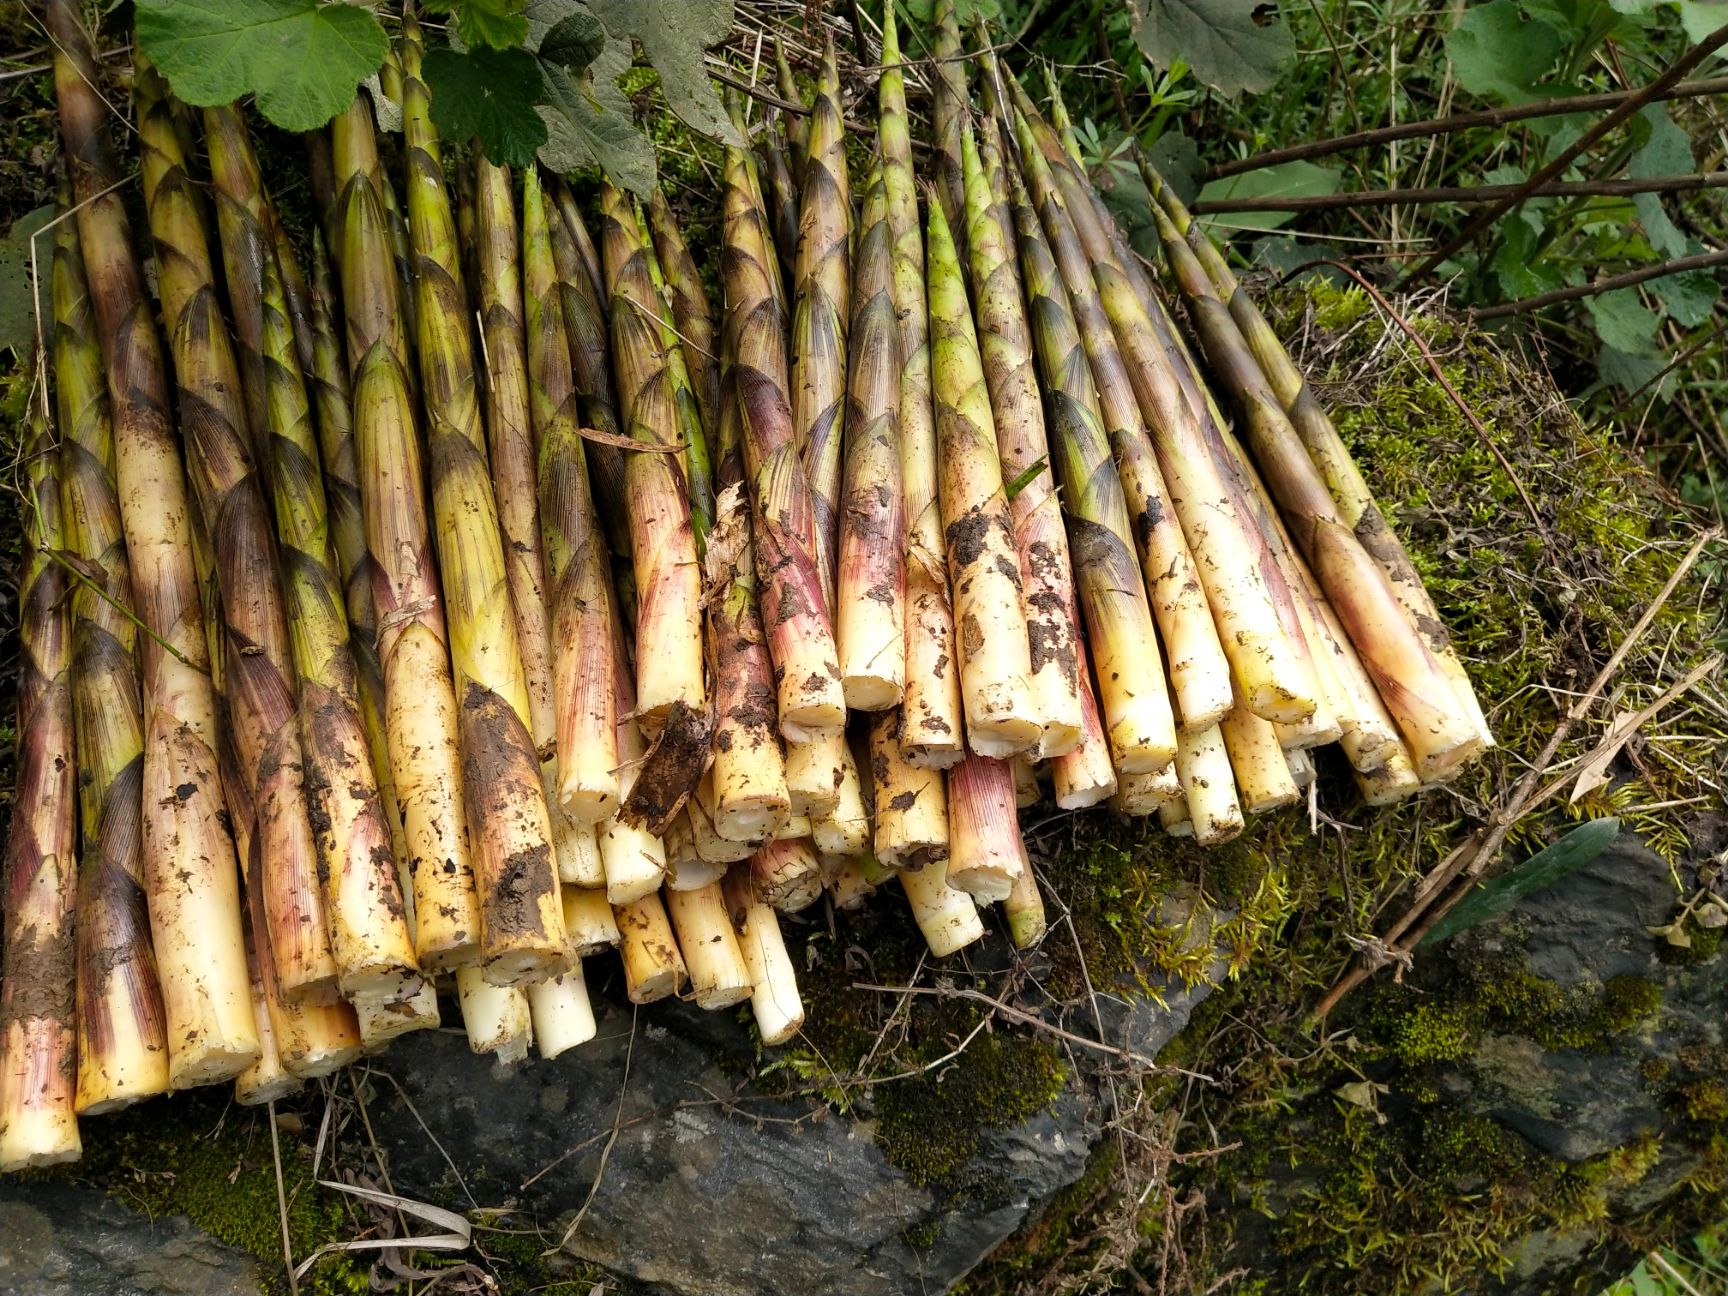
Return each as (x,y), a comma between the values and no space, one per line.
(463,592)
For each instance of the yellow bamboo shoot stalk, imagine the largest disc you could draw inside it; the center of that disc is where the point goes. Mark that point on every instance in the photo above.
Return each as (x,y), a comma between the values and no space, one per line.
(653,968)
(719,976)
(1301,763)
(1440,730)
(1392,782)
(496,1018)
(780,199)
(1005,342)
(510,825)
(710,843)
(870,607)
(950,104)
(585,330)
(985,851)
(1249,603)
(1024,909)
(1134,701)
(1173,818)
(844,830)
(796,827)
(510,435)
(1085,776)
(774,998)
(931,723)
(122,1055)
(420,700)
(1199,672)
(794,608)
(1203,765)
(382,1020)
(560,1012)
(583,637)
(983,559)
(1343,478)
(947,918)
(744,792)
(1369,735)
(1144,794)
(691,314)
(662,544)
(254,636)
(39,881)
(1263,779)
(1026,790)
(814,772)
(592,925)
(822,305)
(787,874)
(369,935)
(327,378)
(577,847)
(307,1038)
(910,802)
(633,859)
(687,867)
(796,127)
(265,1080)
(851,886)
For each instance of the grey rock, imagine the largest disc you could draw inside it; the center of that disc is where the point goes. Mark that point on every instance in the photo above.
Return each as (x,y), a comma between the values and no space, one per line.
(60,1239)
(704,1189)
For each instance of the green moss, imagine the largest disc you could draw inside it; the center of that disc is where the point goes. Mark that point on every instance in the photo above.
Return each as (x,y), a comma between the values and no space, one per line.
(1432,1034)
(1704,1102)
(196,1154)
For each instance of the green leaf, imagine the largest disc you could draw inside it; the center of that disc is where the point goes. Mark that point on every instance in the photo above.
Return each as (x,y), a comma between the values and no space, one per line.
(1177,159)
(589,124)
(1688,298)
(1623,321)
(1635,371)
(486,24)
(1025,478)
(574,41)
(675,36)
(302,59)
(1517,268)
(1230,45)
(489,95)
(1543,869)
(1497,51)
(17,306)
(1698,18)
(1286,180)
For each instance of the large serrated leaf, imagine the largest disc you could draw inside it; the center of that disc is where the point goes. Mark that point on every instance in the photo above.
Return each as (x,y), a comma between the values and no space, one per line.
(1298,179)
(1495,50)
(675,36)
(588,123)
(488,95)
(1230,45)
(574,41)
(1543,869)
(302,59)
(17,306)
(485,24)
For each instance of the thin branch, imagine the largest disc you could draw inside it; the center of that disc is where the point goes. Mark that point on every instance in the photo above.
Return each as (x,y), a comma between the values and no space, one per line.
(1588,140)
(1458,122)
(1469,194)
(1680,265)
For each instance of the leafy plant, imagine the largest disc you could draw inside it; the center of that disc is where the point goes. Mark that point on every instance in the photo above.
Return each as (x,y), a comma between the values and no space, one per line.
(1231,45)
(302,59)
(526,78)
